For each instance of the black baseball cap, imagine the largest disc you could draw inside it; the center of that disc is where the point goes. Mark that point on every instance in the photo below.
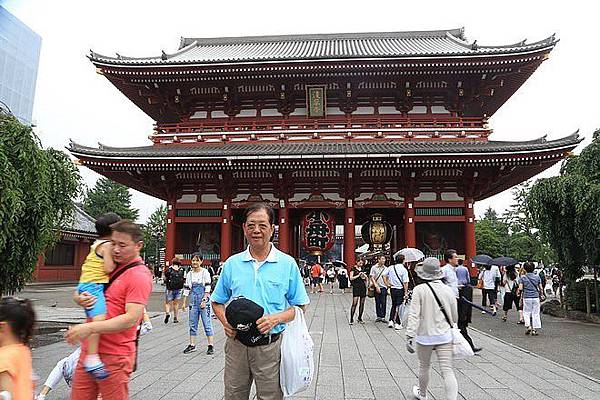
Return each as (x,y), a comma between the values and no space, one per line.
(242,314)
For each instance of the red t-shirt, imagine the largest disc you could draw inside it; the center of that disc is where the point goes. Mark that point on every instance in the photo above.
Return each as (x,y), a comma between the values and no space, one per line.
(133,286)
(316,271)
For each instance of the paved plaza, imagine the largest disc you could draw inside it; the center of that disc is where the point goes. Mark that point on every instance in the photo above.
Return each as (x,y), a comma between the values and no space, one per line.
(352,362)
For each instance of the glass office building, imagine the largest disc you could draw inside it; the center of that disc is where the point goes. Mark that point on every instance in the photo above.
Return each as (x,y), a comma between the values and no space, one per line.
(19,58)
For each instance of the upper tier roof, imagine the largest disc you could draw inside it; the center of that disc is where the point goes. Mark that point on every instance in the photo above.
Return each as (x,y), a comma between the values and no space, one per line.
(324,149)
(231,50)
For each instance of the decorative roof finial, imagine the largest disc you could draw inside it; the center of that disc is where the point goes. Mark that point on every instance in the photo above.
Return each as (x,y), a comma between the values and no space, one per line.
(163,56)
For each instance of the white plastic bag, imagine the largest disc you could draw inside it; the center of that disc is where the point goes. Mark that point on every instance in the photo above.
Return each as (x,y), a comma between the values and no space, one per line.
(297,363)
(461,348)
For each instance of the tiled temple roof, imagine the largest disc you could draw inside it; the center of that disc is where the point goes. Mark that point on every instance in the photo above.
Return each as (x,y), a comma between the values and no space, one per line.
(440,43)
(325,149)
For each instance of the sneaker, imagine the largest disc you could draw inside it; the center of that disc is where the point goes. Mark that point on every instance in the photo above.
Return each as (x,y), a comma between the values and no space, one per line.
(210,351)
(167,318)
(483,312)
(476,349)
(97,371)
(504,318)
(417,394)
(528,331)
(521,323)
(534,333)
(189,349)
(360,321)
(391,324)
(397,327)
(175,321)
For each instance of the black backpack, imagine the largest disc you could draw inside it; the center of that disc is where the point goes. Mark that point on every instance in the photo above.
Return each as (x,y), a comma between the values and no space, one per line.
(176,279)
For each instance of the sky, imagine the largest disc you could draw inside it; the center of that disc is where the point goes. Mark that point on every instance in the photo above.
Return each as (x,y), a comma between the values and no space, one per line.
(72,102)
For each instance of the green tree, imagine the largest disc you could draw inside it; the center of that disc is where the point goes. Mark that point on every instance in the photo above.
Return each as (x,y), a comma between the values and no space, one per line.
(565,209)
(155,231)
(109,196)
(491,234)
(37,189)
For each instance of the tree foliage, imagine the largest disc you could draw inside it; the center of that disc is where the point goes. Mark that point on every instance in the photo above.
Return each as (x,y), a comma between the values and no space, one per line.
(566,210)
(155,231)
(109,196)
(37,188)
(491,234)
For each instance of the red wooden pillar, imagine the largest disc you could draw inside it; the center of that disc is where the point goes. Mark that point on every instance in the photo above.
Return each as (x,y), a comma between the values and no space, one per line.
(470,246)
(284,227)
(349,239)
(171,229)
(410,232)
(226,230)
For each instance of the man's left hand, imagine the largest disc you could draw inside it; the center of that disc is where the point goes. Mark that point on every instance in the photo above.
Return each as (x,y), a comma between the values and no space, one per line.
(78,333)
(266,323)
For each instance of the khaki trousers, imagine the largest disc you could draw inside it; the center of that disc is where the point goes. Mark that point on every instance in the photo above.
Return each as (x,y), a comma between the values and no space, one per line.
(244,364)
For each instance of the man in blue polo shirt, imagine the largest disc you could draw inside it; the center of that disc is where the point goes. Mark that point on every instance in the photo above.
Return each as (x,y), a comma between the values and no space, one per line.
(271,279)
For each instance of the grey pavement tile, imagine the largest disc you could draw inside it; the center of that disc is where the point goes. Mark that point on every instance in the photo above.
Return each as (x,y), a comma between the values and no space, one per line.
(352,362)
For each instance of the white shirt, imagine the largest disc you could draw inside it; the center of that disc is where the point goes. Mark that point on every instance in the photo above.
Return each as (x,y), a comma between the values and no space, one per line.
(201,277)
(397,275)
(377,273)
(489,278)
(451,279)
(257,264)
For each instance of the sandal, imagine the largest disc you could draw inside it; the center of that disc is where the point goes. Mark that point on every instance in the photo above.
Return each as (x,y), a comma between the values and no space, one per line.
(504,318)
(534,333)
(528,331)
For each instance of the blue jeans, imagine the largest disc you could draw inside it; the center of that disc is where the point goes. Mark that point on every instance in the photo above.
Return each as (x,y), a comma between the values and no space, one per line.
(380,302)
(197,313)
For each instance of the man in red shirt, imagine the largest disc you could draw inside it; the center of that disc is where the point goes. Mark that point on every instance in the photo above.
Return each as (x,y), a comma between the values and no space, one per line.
(126,296)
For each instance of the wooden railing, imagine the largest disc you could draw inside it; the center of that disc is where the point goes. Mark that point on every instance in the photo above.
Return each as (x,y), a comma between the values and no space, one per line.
(339,127)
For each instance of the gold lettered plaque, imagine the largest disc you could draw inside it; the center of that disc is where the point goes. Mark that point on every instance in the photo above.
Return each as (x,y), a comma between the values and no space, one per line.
(315,96)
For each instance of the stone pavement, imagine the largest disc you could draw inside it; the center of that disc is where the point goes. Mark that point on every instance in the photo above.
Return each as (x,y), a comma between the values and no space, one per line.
(352,362)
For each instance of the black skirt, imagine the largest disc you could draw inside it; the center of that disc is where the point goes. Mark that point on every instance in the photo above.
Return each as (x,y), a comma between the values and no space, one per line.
(359,288)
(343,281)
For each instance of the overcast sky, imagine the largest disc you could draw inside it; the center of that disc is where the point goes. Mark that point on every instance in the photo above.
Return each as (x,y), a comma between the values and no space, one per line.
(73,102)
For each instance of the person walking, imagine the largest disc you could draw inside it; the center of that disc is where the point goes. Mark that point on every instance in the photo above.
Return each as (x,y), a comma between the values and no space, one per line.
(126,294)
(428,329)
(511,287)
(331,274)
(530,287)
(488,292)
(396,280)
(316,272)
(174,281)
(198,282)
(271,279)
(377,282)
(342,277)
(465,310)
(358,279)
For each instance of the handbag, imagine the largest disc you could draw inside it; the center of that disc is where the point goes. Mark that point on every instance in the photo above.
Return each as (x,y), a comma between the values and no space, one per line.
(297,365)
(371,288)
(541,295)
(461,349)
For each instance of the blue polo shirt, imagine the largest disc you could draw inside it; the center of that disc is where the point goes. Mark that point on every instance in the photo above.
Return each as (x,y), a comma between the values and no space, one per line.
(274,284)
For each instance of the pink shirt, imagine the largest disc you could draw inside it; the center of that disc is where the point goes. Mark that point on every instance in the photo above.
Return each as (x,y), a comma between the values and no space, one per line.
(133,286)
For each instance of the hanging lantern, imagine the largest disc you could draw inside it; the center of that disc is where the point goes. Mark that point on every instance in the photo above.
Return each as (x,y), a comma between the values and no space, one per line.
(318,232)
(376,232)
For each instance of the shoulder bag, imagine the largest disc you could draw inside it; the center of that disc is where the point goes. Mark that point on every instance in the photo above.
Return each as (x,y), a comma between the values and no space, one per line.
(371,288)
(461,349)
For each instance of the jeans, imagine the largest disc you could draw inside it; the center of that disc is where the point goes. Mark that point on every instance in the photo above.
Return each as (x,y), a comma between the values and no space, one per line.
(444,356)
(196,295)
(397,300)
(380,302)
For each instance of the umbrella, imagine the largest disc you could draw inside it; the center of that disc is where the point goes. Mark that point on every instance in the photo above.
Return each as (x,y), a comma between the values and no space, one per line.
(482,259)
(362,249)
(504,261)
(410,254)
(339,264)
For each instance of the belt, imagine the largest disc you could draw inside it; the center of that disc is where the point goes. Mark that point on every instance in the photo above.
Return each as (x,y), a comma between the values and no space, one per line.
(265,340)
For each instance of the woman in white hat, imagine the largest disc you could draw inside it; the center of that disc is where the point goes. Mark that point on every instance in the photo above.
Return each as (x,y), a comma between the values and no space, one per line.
(428,329)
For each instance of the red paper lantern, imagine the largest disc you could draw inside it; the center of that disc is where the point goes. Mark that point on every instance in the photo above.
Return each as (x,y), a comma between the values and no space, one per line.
(318,232)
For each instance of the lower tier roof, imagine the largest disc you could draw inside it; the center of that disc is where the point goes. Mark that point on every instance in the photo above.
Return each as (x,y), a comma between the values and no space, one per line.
(349,149)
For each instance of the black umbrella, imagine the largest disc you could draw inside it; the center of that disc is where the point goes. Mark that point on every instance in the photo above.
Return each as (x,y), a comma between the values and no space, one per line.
(482,259)
(504,261)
